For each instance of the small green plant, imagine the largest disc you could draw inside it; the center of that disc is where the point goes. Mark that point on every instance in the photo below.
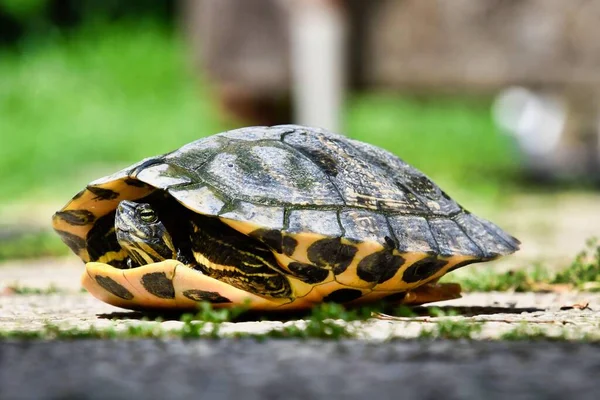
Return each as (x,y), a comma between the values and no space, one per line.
(32,245)
(196,325)
(26,290)
(584,269)
(487,280)
(448,328)
(583,273)
(528,332)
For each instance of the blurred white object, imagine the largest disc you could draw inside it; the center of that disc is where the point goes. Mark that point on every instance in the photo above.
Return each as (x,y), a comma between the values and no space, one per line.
(537,121)
(557,129)
(318,42)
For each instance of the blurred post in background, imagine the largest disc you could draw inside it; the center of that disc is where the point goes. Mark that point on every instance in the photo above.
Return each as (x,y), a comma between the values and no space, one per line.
(275,61)
(318,58)
(278,60)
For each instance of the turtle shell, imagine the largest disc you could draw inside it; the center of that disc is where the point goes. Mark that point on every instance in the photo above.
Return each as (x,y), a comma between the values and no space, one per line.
(338,214)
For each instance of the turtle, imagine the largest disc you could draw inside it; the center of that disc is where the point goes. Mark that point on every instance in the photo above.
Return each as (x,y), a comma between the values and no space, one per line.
(273,218)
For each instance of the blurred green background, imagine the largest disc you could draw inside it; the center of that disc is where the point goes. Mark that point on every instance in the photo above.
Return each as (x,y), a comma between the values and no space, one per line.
(88,87)
(111,85)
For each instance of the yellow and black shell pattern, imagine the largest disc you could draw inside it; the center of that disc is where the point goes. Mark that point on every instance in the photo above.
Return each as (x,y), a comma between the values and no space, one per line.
(329,218)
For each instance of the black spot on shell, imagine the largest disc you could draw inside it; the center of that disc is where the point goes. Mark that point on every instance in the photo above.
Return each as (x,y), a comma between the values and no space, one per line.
(390,242)
(379,267)
(159,285)
(395,298)
(79,194)
(75,243)
(111,286)
(289,245)
(331,254)
(203,295)
(77,217)
(423,269)
(102,193)
(135,182)
(271,237)
(342,295)
(308,273)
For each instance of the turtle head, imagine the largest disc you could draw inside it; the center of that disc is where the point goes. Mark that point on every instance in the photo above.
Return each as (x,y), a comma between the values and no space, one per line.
(141,233)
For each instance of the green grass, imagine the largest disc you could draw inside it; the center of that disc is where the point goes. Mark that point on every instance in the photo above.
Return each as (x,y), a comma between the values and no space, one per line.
(452,139)
(582,274)
(326,321)
(75,108)
(32,245)
(448,328)
(26,290)
(93,102)
(527,332)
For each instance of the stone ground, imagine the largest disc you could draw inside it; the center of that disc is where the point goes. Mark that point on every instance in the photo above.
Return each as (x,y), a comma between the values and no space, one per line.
(499,312)
(552,230)
(381,363)
(292,369)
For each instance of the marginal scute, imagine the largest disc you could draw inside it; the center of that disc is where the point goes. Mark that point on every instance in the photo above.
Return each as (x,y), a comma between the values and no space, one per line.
(484,238)
(364,225)
(510,241)
(198,197)
(342,296)
(413,234)
(331,254)
(451,239)
(423,269)
(265,216)
(203,295)
(308,273)
(77,217)
(163,176)
(113,287)
(159,285)
(379,267)
(317,221)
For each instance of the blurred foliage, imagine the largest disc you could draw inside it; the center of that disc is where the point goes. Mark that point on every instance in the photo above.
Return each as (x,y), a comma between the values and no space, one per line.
(83,104)
(582,274)
(23,20)
(452,139)
(31,245)
(103,98)
(584,271)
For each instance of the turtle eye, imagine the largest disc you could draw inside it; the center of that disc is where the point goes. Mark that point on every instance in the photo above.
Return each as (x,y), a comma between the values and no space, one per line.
(148,215)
